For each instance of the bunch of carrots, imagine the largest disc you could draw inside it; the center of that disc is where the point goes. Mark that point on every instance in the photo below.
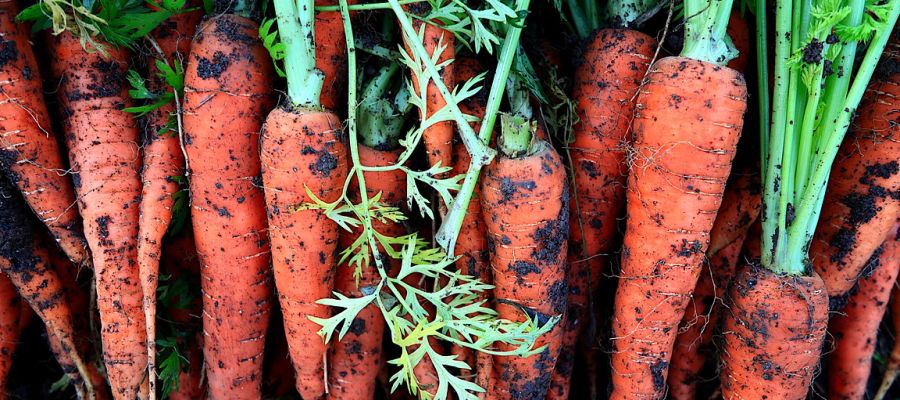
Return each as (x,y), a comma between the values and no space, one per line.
(448,199)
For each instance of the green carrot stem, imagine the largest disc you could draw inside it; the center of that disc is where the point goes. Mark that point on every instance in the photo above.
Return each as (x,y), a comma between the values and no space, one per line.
(704,31)
(624,13)
(762,78)
(515,135)
(296,27)
(518,97)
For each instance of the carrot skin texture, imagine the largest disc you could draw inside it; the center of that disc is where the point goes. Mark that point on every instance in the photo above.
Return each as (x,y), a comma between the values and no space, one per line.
(356,360)
(700,322)
(104,150)
(163,162)
(28,147)
(614,64)
(11,312)
(525,209)
(859,208)
(687,110)
(303,150)
(228,87)
(774,329)
(331,55)
(855,330)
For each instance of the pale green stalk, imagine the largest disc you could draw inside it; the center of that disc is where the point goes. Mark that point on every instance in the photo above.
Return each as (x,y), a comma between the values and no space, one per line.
(297,31)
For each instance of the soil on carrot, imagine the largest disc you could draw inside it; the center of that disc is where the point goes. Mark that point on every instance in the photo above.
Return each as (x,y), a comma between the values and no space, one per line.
(863,207)
(108,84)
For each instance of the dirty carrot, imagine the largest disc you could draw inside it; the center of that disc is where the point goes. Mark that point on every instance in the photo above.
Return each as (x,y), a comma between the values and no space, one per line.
(304,157)
(103,142)
(687,124)
(28,147)
(228,91)
(331,55)
(525,203)
(859,208)
(855,330)
(27,266)
(438,138)
(163,169)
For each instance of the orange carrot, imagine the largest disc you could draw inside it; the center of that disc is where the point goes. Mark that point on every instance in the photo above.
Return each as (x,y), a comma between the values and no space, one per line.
(614,64)
(740,208)
(27,266)
(525,203)
(861,202)
(472,246)
(106,160)
(163,165)
(856,329)
(438,138)
(28,148)
(701,317)
(893,365)
(772,341)
(687,123)
(228,88)
(11,313)
(303,149)
(331,55)
(357,358)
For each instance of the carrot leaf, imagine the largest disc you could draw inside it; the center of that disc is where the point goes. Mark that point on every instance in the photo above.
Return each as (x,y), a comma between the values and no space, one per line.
(272,44)
(139,91)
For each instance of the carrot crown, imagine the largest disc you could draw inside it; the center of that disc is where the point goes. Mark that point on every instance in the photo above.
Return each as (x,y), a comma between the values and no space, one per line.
(584,17)
(296,28)
(816,91)
(516,135)
(705,22)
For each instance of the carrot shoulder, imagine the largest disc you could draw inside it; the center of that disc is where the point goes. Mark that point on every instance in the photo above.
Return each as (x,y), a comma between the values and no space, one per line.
(687,123)
(772,340)
(228,89)
(104,150)
(303,150)
(28,147)
(525,205)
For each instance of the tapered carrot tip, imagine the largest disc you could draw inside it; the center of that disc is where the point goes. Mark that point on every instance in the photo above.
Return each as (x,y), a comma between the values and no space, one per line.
(774,330)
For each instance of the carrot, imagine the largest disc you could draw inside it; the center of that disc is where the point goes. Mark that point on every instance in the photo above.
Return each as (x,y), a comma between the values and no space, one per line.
(357,358)
(105,155)
(855,330)
(772,341)
(893,364)
(438,137)
(228,88)
(701,317)
(739,32)
(27,266)
(472,246)
(303,149)
(163,165)
(605,85)
(525,203)
(859,207)
(740,208)
(28,148)
(687,123)
(11,313)
(331,55)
